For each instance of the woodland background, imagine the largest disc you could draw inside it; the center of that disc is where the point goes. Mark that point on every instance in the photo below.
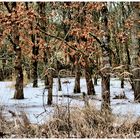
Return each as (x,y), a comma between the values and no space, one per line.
(94,40)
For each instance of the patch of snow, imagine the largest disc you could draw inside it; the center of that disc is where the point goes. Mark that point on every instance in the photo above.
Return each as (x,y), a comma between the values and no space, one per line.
(33,102)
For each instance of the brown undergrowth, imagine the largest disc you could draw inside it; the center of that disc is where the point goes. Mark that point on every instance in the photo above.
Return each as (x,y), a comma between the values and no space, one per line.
(78,123)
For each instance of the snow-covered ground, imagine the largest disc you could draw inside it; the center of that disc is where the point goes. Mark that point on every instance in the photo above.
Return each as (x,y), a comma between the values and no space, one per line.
(33,102)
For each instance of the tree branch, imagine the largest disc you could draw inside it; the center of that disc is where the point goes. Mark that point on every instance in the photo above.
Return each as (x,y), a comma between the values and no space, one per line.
(102,45)
(14,45)
(7,6)
(97,39)
(61,39)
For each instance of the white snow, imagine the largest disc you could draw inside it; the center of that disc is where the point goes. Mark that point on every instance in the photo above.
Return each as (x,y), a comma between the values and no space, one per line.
(33,102)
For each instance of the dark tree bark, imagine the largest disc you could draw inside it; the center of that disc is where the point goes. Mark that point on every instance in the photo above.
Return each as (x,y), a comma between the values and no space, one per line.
(50,87)
(136,52)
(96,80)
(88,68)
(43,25)
(89,82)
(105,92)
(106,64)
(46,81)
(125,52)
(116,45)
(18,67)
(3,71)
(122,82)
(18,63)
(68,38)
(95,70)
(19,75)
(35,51)
(136,81)
(77,88)
(59,67)
(59,84)
(47,56)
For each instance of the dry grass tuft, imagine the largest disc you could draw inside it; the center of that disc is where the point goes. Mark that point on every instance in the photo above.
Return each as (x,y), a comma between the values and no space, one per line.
(80,123)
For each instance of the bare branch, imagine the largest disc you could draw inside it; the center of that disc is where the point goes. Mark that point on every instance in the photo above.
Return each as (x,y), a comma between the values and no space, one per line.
(61,39)
(10,39)
(7,6)
(102,45)
(97,39)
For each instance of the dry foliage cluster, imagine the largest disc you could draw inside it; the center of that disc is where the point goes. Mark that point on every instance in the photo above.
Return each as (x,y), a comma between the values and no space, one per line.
(80,123)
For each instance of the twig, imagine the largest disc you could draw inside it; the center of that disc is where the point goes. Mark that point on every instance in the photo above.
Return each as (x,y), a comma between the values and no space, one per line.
(13,113)
(61,39)
(97,39)
(102,45)
(14,44)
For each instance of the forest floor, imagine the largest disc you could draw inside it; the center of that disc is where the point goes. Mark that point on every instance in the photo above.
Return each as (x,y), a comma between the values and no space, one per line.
(33,105)
(81,118)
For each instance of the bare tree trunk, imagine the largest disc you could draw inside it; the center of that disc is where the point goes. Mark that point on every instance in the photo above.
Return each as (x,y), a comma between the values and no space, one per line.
(3,72)
(19,75)
(106,64)
(122,82)
(105,92)
(95,70)
(46,81)
(77,88)
(18,63)
(49,85)
(35,64)
(35,50)
(50,79)
(136,52)
(136,77)
(59,84)
(125,52)
(89,82)
(96,80)
(43,24)
(47,56)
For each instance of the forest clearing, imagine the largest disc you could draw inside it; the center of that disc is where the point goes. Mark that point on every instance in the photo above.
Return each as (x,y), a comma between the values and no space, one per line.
(70,69)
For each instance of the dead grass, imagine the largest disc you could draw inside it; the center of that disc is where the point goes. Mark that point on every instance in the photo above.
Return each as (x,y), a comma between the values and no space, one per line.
(80,123)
